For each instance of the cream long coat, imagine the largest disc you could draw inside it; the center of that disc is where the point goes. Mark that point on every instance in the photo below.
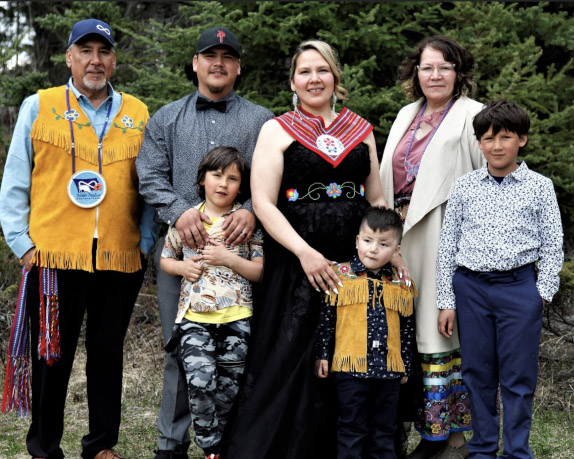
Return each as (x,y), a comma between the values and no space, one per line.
(452,152)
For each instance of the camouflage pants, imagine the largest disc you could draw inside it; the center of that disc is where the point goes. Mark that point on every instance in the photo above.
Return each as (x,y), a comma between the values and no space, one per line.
(213,358)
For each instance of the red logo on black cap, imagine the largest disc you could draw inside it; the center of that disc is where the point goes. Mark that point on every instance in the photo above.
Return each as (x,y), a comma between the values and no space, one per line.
(220,35)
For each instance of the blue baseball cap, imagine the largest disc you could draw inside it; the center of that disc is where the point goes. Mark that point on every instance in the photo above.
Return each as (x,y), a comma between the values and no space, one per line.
(91,27)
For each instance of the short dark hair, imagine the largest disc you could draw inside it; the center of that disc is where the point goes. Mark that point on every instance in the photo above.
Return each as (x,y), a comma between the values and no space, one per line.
(222,158)
(453,53)
(501,114)
(380,219)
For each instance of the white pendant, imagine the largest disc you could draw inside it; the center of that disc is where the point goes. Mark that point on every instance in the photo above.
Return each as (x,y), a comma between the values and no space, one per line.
(87,189)
(330,145)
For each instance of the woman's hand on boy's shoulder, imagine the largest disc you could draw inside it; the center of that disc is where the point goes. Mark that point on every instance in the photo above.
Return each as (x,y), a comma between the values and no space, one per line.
(398,263)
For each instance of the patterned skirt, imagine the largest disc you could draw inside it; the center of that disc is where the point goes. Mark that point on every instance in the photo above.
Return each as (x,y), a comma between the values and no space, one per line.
(446,405)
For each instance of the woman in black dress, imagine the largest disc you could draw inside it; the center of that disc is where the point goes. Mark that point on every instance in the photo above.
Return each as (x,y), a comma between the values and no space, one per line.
(314,173)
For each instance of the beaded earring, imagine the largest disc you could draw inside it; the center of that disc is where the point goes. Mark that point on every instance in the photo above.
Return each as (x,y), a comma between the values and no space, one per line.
(295,107)
(334,99)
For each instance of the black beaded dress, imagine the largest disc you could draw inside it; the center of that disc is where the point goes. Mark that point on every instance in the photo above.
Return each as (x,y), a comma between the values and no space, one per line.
(283,410)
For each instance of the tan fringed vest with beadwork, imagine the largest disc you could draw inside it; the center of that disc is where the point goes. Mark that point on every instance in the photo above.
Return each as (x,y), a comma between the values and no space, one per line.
(63,232)
(352,301)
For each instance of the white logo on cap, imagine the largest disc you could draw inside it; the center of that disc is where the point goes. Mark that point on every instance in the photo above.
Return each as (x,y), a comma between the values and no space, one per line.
(103,29)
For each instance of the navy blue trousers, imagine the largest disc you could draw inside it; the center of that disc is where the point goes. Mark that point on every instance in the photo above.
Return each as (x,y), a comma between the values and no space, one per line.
(367,414)
(500,319)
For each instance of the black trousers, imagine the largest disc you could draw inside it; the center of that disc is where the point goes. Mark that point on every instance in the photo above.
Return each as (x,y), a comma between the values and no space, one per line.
(107,297)
(367,417)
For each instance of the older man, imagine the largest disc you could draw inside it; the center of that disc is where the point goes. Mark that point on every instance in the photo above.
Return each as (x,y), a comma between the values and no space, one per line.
(70,209)
(177,137)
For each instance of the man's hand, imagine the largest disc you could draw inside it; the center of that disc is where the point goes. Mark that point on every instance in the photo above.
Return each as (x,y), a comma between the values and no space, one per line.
(238,227)
(190,228)
(27,259)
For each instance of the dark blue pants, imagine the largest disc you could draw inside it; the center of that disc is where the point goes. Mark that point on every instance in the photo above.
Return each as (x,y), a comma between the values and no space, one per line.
(367,413)
(107,298)
(500,319)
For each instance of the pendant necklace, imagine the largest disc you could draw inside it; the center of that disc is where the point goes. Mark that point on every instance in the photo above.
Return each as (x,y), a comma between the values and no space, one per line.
(86,188)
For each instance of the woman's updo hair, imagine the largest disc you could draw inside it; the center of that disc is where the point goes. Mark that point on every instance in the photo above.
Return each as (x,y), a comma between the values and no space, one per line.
(453,53)
(330,55)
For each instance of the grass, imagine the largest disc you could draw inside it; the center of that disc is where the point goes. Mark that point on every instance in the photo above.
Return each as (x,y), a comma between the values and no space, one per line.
(552,429)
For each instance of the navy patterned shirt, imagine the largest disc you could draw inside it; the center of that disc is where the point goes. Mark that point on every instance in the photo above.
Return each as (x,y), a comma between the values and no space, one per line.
(490,226)
(376,331)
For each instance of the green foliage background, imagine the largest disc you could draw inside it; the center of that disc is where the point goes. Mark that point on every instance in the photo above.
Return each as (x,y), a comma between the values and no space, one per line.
(524,52)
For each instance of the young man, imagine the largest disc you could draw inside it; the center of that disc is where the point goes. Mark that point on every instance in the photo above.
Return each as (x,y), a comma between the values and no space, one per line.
(500,221)
(176,139)
(70,209)
(367,330)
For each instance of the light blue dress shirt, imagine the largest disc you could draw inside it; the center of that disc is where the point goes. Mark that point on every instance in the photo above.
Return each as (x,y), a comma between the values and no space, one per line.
(16,182)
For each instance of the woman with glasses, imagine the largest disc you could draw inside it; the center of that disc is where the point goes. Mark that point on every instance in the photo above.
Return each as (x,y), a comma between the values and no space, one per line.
(431,143)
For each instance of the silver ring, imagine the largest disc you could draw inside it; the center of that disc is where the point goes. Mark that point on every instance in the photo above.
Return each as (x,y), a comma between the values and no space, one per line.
(243,233)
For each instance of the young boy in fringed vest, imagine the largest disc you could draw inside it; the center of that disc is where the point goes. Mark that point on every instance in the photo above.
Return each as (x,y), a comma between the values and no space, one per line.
(215,305)
(367,330)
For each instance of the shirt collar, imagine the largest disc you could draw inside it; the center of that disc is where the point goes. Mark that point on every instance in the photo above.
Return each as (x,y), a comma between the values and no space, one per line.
(229,98)
(358,267)
(79,95)
(236,206)
(518,174)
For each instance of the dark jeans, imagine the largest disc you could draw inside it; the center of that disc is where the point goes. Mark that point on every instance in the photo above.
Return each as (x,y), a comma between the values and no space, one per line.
(367,414)
(107,297)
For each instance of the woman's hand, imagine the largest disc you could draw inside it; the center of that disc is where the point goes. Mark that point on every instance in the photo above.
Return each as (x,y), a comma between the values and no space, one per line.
(319,272)
(402,270)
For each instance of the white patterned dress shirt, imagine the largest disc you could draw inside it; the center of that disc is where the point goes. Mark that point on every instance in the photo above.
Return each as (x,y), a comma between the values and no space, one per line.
(490,226)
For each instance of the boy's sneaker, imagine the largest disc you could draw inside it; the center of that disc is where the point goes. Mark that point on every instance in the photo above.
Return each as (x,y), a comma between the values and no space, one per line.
(212,456)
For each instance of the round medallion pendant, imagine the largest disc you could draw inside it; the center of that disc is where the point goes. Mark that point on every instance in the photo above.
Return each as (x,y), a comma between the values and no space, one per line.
(330,145)
(87,189)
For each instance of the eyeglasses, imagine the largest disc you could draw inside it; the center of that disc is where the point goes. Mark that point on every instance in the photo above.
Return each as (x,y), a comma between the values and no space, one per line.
(428,70)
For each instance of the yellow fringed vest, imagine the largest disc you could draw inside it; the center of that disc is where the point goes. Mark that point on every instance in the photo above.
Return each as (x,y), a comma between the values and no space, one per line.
(63,232)
(350,353)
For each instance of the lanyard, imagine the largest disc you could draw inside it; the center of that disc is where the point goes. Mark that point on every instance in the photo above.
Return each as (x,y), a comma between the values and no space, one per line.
(412,170)
(100,137)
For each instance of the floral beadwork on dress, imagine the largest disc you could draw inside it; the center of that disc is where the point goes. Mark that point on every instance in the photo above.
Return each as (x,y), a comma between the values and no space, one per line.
(332,190)
(70,115)
(128,123)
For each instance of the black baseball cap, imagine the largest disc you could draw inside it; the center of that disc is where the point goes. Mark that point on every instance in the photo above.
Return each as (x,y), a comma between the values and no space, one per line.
(91,27)
(217,36)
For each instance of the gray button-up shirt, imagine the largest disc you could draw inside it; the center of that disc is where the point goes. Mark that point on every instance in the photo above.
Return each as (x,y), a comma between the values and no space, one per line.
(178,136)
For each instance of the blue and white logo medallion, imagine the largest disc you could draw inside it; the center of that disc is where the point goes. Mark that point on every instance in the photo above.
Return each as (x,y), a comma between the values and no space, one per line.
(87,189)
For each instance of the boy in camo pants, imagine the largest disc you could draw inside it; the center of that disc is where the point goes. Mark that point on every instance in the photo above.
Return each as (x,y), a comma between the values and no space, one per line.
(215,305)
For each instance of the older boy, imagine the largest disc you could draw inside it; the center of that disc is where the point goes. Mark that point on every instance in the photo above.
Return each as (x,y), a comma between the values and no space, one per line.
(367,329)
(500,221)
